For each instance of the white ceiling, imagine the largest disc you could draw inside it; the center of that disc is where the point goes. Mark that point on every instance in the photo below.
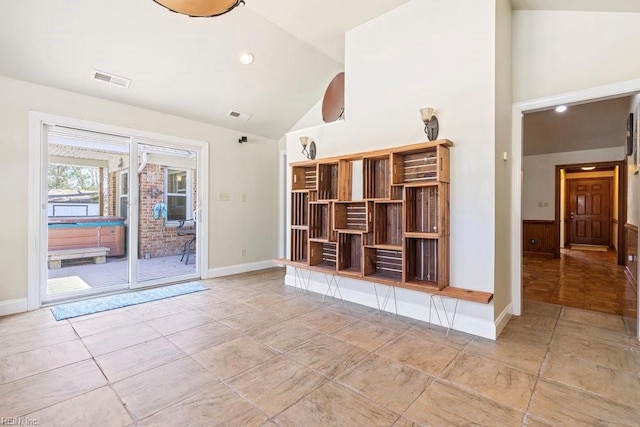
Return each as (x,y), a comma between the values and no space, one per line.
(601,124)
(189,67)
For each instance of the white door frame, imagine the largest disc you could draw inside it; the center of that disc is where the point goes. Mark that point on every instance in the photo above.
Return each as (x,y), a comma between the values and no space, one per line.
(601,92)
(37,252)
(282,202)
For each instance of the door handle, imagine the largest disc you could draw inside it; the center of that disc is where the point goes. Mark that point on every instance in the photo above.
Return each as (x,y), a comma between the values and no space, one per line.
(572,215)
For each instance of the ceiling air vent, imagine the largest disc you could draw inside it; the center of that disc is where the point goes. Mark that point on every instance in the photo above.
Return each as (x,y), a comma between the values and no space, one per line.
(111,78)
(238,115)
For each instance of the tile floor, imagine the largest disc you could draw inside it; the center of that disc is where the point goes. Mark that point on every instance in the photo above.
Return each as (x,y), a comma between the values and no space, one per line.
(252,351)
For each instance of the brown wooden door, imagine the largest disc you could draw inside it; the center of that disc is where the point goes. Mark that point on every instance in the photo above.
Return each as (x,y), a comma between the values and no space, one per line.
(589,211)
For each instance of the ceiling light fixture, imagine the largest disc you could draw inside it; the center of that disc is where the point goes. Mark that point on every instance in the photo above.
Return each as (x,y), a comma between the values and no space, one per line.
(246,58)
(200,8)
(561,108)
(588,168)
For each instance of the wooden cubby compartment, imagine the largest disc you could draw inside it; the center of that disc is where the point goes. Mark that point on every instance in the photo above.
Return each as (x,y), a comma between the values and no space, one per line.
(352,216)
(383,264)
(299,248)
(421,166)
(304,177)
(396,231)
(323,255)
(299,209)
(387,226)
(422,209)
(350,253)
(328,181)
(377,177)
(320,221)
(423,266)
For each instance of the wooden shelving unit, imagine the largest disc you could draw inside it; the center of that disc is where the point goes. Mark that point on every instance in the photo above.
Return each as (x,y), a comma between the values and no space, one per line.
(397,234)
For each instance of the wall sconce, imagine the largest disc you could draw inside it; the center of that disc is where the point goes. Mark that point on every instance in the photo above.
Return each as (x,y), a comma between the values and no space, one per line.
(307,142)
(430,123)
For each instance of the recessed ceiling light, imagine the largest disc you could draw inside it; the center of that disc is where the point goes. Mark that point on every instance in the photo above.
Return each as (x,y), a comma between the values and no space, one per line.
(561,108)
(246,58)
(588,168)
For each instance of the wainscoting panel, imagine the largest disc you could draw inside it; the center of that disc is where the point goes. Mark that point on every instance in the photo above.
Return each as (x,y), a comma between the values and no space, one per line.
(631,262)
(539,237)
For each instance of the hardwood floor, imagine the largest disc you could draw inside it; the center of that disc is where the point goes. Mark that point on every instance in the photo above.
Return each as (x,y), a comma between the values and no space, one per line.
(581,279)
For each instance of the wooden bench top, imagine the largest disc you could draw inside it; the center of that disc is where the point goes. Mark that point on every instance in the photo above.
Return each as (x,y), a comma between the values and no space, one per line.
(450,292)
(79,252)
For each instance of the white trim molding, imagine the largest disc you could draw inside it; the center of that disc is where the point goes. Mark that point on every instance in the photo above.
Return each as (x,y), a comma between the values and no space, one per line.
(241,268)
(13,306)
(503,319)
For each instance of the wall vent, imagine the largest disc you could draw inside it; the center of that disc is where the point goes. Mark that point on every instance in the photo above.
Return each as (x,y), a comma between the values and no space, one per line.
(238,115)
(111,78)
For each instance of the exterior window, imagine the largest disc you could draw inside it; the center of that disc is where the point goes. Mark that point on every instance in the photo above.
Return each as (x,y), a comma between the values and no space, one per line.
(177,194)
(124,193)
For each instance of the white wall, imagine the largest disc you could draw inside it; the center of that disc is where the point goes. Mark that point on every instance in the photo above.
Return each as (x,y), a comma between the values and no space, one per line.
(440,54)
(557,52)
(539,178)
(234,168)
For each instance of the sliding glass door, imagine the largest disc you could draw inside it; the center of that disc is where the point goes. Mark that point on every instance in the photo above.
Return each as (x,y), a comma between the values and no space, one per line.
(121,213)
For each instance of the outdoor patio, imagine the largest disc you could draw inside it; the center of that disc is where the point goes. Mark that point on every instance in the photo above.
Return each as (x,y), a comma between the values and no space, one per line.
(84,275)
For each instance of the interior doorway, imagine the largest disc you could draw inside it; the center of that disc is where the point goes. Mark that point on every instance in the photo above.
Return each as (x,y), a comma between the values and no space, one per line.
(591,201)
(519,207)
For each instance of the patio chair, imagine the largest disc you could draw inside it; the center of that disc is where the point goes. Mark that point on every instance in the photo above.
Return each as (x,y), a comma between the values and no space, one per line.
(187,227)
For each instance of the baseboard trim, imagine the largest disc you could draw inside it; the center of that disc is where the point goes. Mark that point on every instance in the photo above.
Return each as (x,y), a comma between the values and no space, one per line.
(13,306)
(240,268)
(503,319)
(410,303)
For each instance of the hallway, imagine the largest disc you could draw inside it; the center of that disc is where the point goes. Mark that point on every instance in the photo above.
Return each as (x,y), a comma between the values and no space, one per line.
(580,279)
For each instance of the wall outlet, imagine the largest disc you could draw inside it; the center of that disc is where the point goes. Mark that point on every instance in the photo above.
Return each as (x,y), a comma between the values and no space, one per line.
(243,197)
(243,252)
(533,241)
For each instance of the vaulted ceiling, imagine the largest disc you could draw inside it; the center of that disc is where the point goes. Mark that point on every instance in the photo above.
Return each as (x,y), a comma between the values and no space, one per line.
(189,67)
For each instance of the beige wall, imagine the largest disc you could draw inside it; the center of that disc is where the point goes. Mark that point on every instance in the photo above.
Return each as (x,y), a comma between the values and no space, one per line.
(234,168)
(557,52)
(502,292)
(538,186)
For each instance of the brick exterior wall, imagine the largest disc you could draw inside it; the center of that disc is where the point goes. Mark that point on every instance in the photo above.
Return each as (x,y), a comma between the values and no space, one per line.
(154,238)
(111,194)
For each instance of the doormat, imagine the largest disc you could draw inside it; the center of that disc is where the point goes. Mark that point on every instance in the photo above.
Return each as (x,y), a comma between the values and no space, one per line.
(595,248)
(111,302)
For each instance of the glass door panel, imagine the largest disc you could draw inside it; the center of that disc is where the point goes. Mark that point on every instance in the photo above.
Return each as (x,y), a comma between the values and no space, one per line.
(166,214)
(86,218)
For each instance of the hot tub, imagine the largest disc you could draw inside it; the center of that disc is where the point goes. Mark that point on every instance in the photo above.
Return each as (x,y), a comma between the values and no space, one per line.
(87,232)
